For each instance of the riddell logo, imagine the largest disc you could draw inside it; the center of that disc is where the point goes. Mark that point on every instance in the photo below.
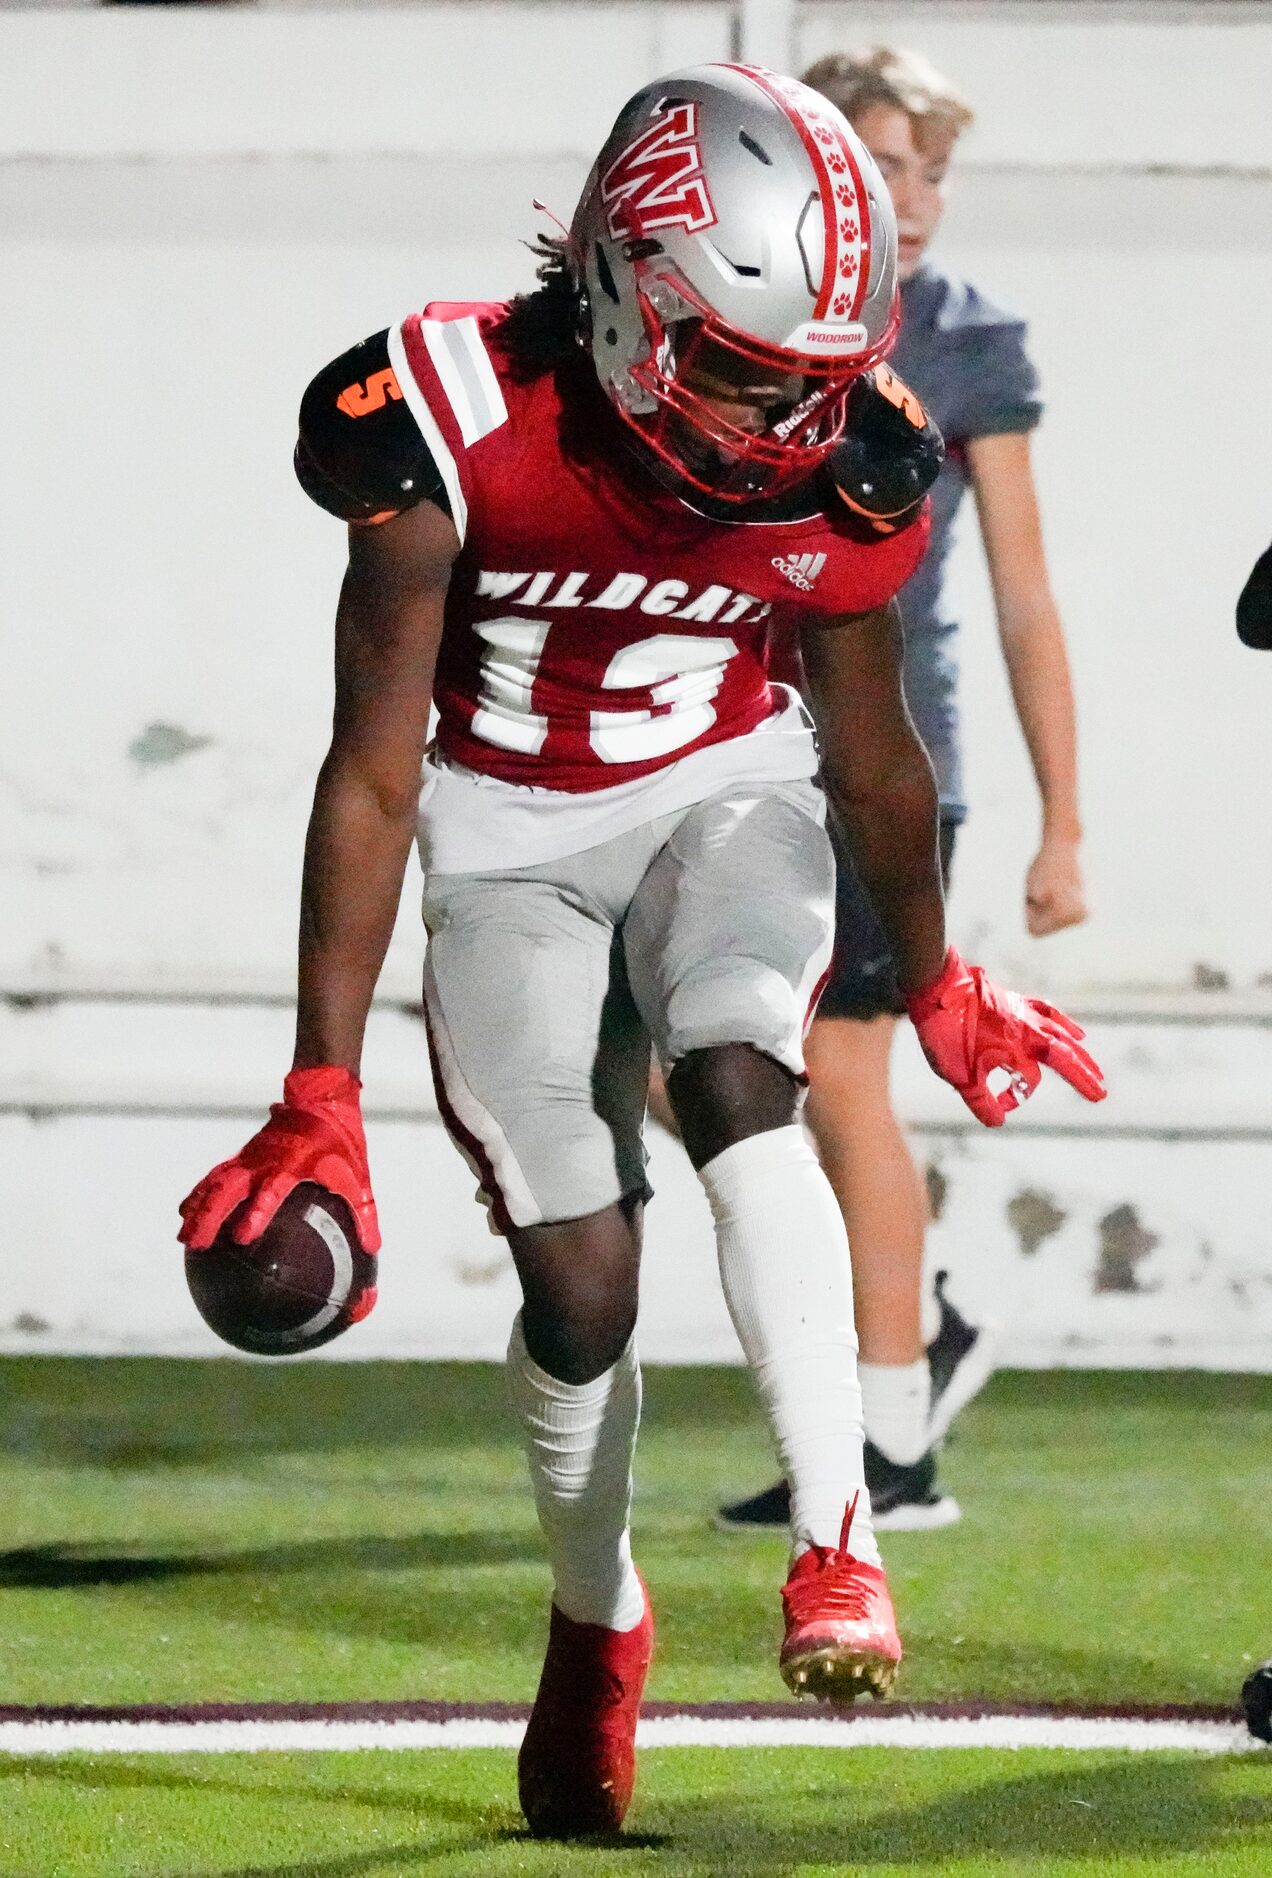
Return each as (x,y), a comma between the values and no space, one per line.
(799,415)
(657,181)
(800,569)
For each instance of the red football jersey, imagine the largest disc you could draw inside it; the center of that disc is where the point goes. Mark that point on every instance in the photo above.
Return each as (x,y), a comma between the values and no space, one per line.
(597,628)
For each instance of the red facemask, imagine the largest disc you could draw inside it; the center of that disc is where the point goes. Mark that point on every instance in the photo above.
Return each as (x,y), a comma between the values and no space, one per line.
(780,438)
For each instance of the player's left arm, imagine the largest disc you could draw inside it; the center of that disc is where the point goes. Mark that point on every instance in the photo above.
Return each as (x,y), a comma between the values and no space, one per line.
(879,780)
(1033,646)
(991,1045)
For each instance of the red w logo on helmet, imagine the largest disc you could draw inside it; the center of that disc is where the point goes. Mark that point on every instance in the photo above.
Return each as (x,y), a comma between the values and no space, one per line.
(658,181)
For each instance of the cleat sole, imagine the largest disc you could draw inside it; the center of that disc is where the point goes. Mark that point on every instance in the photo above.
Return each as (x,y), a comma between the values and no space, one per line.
(838,1677)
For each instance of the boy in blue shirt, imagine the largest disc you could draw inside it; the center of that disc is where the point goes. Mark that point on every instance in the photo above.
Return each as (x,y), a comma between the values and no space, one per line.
(968,362)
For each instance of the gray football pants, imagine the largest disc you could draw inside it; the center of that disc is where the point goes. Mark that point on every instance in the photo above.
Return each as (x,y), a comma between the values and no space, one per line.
(544,986)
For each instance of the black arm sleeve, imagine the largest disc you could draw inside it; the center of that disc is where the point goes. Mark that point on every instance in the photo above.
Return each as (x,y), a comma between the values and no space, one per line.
(1254,608)
(890,452)
(360,454)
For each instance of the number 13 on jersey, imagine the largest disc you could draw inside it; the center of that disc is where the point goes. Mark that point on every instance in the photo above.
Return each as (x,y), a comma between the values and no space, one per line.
(679,673)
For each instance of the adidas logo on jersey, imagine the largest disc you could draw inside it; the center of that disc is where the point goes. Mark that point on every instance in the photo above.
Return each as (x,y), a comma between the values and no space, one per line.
(800,569)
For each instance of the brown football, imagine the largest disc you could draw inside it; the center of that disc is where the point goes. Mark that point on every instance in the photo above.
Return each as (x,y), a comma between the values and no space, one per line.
(303,1282)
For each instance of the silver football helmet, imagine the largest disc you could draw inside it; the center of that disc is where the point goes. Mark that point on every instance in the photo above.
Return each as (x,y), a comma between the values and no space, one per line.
(735,236)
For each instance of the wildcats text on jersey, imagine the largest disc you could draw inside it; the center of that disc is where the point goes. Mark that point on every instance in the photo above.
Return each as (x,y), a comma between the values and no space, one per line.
(662,598)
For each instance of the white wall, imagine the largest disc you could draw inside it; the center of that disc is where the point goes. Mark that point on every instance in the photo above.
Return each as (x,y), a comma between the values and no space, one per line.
(1088,84)
(160,319)
(1098,85)
(460,80)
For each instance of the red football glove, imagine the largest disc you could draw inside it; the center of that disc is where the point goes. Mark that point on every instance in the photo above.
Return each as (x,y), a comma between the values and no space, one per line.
(314,1133)
(970,1028)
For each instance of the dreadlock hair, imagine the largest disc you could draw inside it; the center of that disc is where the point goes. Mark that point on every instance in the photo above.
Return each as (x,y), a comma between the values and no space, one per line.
(541,330)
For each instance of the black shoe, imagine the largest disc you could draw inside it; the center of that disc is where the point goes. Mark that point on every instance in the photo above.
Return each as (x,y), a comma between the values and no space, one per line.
(960,1362)
(902,1499)
(1256,1700)
(907,1499)
(768,1509)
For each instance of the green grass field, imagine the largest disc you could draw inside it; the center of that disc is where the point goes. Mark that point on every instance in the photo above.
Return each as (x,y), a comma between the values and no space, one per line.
(728,1813)
(193,1532)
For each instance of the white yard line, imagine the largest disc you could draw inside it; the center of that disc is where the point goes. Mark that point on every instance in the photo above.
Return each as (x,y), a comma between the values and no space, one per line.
(670,1731)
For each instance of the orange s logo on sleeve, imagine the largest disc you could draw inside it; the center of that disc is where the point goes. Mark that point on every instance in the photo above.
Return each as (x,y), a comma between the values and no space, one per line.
(360,400)
(897,392)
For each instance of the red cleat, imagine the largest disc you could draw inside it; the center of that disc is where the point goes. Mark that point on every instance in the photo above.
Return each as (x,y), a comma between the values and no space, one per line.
(841,1635)
(577,1765)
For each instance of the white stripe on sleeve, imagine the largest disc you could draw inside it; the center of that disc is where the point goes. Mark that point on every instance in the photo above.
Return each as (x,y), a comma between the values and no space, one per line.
(430,430)
(462,363)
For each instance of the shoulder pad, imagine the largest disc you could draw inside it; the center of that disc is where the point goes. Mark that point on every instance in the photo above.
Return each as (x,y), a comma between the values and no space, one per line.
(360,454)
(890,452)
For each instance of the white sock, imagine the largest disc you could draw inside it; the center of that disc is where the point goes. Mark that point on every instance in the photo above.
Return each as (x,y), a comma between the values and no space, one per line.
(787,1282)
(896,1401)
(579,1441)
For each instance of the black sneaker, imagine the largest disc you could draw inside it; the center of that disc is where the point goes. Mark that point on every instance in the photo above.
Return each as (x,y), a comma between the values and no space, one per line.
(767,1509)
(907,1499)
(1256,1700)
(902,1499)
(960,1363)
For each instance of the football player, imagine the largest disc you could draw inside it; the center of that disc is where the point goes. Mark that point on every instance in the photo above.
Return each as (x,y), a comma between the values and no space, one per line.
(574,519)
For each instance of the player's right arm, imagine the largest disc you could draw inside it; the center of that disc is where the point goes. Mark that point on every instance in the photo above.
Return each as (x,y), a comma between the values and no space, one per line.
(388,630)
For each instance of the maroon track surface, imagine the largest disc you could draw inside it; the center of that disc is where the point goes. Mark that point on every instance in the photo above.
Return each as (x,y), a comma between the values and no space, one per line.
(519,1711)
